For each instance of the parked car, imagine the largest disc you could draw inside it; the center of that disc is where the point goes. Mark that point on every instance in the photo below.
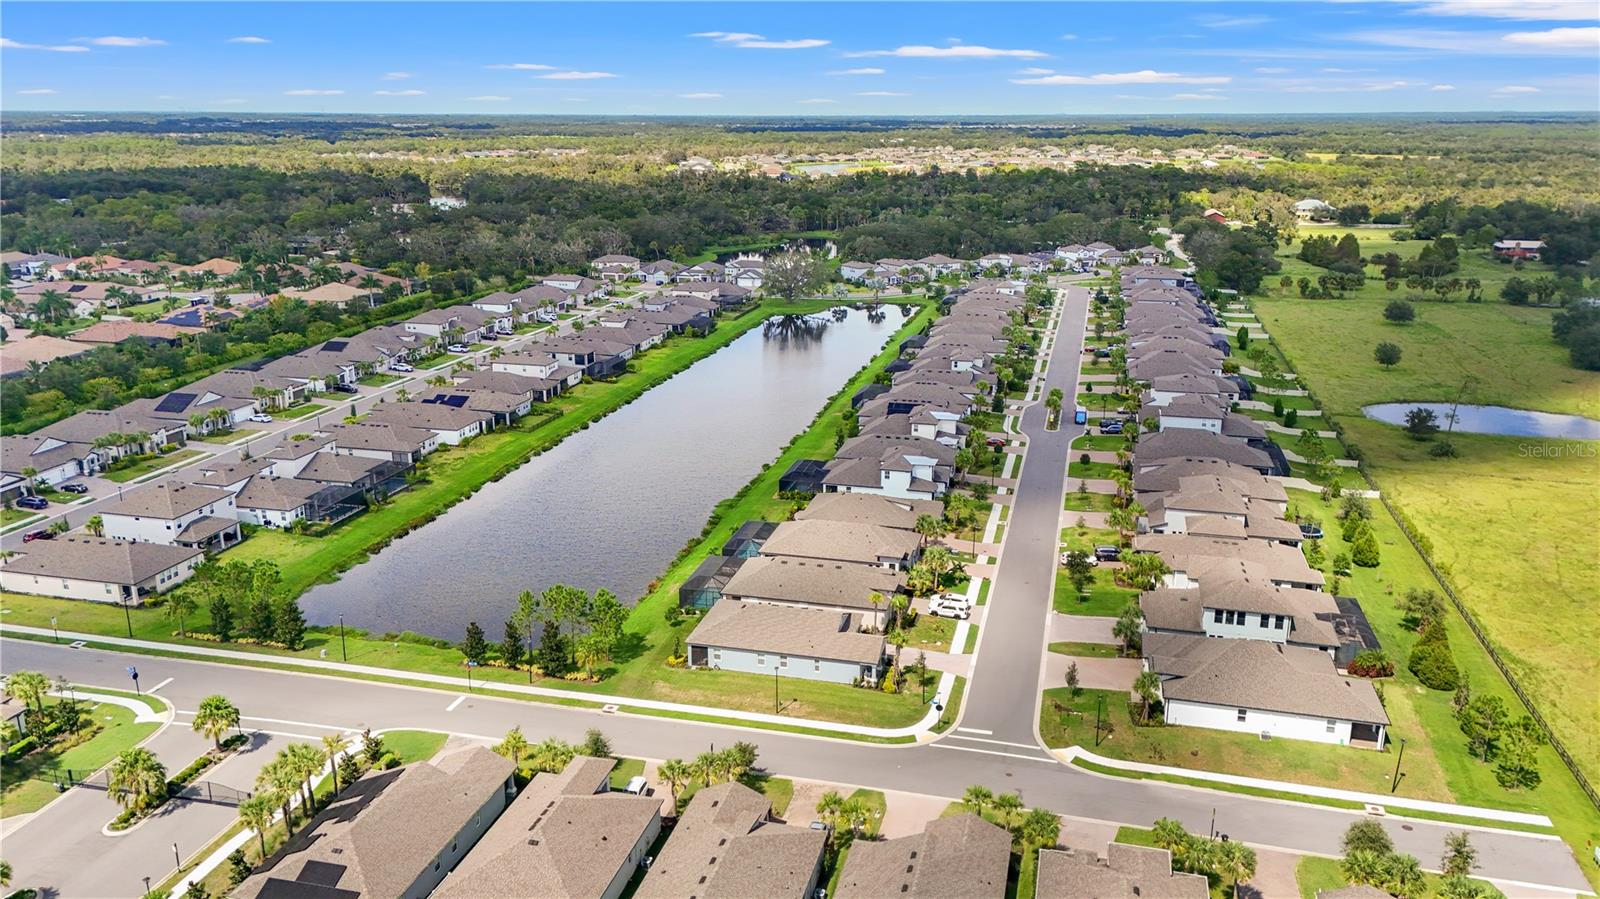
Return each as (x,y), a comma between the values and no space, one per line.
(343,388)
(74,488)
(458,348)
(1111,426)
(33,502)
(40,534)
(401,366)
(950,605)
(489,335)
(637,786)
(1090,556)
(1107,554)
(1311,531)
(1080,416)
(996,441)
(261,418)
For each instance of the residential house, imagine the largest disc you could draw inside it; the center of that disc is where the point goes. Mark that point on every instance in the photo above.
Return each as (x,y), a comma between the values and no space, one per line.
(279,502)
(705,271)
(1258,490)
(839,541)
(502,408)
(907,467)
(115,432)
(662,271)
(392,834)
(186,515)
(748,272)
(98,569)
(452,424)
(830,586)
(615,267)
(1314,210)
(1245,608)
(382,440)
(962,856)
(333,293)
(448,325)
(1215,215)
(727,845)
(36,350)
(939,264)
(792,641)
(1126,871)
(1193,559)
(1262,687)
(29,265)
(594,354)
(864,508)
(110,333)
(1519,249)
(47,460)
(1191,443)
(857,271)
(578,288)
(269,390)
(565,836)
(183,408)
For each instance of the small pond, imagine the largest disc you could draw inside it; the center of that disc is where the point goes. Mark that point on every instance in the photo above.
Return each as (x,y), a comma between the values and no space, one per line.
(1493,420)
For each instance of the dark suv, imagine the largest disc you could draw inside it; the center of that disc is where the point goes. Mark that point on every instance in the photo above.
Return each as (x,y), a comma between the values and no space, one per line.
(1108,554)
(33,502)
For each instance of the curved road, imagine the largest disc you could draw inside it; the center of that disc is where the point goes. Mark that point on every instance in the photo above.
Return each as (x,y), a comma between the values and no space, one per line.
(994,744)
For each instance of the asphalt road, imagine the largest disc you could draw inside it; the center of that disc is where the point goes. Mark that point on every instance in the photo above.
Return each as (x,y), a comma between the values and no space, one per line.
(313,704)
(1003,693)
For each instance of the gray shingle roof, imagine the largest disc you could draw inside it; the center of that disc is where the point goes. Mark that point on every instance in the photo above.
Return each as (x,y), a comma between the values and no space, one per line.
(813,583)
(866,508)
(98,559)
(167,500)
(1127,872)
(1257,674)
(964,857)
(787,630)
(842,541)
(724,847)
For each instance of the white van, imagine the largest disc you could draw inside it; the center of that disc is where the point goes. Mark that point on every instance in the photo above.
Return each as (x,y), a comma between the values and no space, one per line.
(950,605)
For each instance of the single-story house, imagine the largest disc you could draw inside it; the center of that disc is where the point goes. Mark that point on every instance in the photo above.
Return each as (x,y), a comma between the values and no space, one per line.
(831,586)
(961,856)
(1126,870)
(840,541)
(451,423)
(381,440)
(98,569)
(812,644)
(727,843)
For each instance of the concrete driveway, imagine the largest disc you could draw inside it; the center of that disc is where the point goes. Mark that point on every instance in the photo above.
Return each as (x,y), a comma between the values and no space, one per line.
(1081,629)
(1094,673)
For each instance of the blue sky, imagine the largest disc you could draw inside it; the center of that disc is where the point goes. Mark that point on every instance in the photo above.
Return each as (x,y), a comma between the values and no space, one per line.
(803,59)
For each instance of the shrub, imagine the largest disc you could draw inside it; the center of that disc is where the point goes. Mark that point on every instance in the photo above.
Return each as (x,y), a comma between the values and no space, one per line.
(1399,311)
(21,748)
(1371,663)
(1434,666)
(1364,551)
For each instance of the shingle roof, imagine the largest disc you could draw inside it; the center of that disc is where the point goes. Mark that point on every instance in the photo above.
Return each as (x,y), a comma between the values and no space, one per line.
(1127,872)
(98,559)
(382,436)
(1181,610)
(560,839)
(964,857)
(1259,674)
(724,847)
(787,630)
(1203,557)
(840,540)
(866,508)
(278,494)
(813,583)
(167,500)
(21,451)
(1193,443)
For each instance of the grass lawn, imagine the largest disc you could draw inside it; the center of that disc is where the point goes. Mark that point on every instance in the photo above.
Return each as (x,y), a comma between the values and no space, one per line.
(1086,538)
(1313,874)
(19,795)
(12,516)
(379,379)
(626,770)
(1086,501)
(295,413)
(144,466)
(1497,515)
(225,438)
(1090,650)
(413,745)
(1103,471)
(1108,443)
(930,633)
(877,803)
(1104,598)
(778,790)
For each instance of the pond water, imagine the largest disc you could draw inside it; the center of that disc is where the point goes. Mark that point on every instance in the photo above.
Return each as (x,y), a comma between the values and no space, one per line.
(1493,420)
(611,505)
(822,245)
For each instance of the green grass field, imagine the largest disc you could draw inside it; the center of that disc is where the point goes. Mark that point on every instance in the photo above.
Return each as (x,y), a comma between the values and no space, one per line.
(144,466)
(1104,597)
(1500,515)
(20,793)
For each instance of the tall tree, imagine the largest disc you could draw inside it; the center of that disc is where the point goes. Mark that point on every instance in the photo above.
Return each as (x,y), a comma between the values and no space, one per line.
(215,717)
(136,778)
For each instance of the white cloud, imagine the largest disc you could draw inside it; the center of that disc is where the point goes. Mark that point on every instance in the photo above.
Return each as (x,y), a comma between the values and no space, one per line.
(9,44)
(521,66)
(818,100)
(1336,70)
(1129,97)
(1271,70)
(577,76)
(1442,87)
(396,76)
(760,42)
(701,95)
(1069,37)
(36,92)
(248,39)
(117,40)
(1143,76)
(488,98)
(1515,89)
(408,93)
(1369,88)
(882,94)
(1035,70)
(864,71)
(959,51)
(1217,21)
(1529,10)
(1556,37)
(312,92)
(1197,97)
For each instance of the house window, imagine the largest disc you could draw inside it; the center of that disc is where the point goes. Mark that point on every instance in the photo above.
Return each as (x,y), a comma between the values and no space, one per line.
(1216,616)
(1241,716)
(816,664)
(1331,725)
(716,655)
(1266,620)
(761,660)
(783,661)
(1280,622)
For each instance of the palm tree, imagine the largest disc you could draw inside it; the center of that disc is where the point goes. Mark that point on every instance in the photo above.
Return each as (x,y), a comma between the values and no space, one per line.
(1148,686)
(829,807)
(256,814)
(929,528)
(940,561)
(677,774)
(333,746)
(1039,828)
(1006,806)
(1236,861)
(590,654)
(1124,521)
(215,717)
(180,606)
(1362,866)
(978,798)
(1402,876)
(706,767)
(136,778)
(307,761)
(1168,834)
(552,754)
(514,746)
(898,605)
(95,525)
(28,687)
(5,873)
(876,599)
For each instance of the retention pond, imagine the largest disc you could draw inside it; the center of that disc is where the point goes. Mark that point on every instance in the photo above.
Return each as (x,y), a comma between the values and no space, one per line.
(611,505)
(1493,420)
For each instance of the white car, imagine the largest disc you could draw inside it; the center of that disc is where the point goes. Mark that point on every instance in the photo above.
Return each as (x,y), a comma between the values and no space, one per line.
(261,418)
(950,605)
(1092,559)
(401,367)
(459,348)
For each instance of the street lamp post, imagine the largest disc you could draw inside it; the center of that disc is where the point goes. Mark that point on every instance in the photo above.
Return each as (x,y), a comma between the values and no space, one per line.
(55,628)
(128,617)
(775,700)
(176,858)
(470,665)
(134,673)
(1398,759)
(343,652)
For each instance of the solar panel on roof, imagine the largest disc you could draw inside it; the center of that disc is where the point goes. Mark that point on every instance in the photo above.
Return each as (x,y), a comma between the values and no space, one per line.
(335,346)
(175,402)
